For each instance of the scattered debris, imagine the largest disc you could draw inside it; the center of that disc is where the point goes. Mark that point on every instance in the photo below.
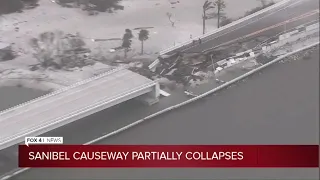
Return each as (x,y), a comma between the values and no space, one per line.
(188,93)
(164,93)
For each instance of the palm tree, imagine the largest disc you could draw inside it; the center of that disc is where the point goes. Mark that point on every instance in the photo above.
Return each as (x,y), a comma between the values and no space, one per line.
(143,36)
(126,41)
(206,6)
(221,5)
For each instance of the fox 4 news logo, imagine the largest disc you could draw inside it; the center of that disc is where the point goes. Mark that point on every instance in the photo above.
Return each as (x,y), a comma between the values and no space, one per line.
(43,140)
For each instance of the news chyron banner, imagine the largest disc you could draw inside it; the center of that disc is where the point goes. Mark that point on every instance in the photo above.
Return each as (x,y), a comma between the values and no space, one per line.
(50,153)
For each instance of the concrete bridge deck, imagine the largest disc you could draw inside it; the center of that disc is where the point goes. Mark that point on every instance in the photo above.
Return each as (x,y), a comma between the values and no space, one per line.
(72,103)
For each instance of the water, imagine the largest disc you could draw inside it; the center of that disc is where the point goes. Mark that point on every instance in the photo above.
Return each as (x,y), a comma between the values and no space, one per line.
(12,96)
(271,107)
(11,6)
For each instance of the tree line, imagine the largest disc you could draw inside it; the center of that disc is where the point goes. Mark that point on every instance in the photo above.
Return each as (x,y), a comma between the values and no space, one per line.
(218,7)
(143,35)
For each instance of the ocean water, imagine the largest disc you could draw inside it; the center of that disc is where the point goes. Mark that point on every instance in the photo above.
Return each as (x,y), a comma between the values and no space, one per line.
(12,96)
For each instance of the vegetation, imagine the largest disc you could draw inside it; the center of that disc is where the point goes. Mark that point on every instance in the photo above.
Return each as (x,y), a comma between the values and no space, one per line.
(92,5)
(220,5)
(59,50)
(225,20)
(169,15)
(206,6)
(264,4)
(11,6)
(143,36)
(127,41)
(6,52)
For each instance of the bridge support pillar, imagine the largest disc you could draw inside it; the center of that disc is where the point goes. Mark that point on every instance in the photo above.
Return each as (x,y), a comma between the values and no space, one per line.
(151,97)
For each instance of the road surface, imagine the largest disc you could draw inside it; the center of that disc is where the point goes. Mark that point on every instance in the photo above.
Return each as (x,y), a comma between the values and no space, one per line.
(106,121)
(278,106)
(298,12)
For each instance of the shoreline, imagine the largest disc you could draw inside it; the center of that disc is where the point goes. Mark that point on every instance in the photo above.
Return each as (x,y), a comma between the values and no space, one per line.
(47,84)
(31,84)
(30,24)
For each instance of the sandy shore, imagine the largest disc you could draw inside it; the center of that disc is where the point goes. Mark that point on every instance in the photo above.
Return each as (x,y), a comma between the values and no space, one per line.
(143,13)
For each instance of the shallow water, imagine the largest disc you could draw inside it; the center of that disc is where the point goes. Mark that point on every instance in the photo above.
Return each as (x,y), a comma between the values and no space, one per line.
(12,6)
(12,96)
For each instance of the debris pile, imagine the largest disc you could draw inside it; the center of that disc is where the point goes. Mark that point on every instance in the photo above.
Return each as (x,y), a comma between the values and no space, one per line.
(305,55)
(187,67)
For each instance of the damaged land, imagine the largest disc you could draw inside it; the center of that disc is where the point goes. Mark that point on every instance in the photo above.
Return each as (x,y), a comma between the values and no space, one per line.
(55,52)
(184,68)
(189,69)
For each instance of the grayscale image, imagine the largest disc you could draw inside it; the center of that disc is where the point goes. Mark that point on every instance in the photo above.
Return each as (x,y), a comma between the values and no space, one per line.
(158,72)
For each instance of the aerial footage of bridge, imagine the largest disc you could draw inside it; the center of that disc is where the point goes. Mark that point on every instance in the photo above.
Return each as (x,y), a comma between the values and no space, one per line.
(251,113)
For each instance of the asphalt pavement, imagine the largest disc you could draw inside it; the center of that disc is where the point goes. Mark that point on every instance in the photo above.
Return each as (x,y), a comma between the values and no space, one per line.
(267,24)
(277,106)
(111,119)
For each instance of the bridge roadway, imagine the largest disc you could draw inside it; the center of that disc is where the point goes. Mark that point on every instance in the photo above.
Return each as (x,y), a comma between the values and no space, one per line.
(58,109)
(295,13)
(117,119)
(278,106)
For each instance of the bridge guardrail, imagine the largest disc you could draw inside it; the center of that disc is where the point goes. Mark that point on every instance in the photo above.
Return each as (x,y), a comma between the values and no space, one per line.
(229,27)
